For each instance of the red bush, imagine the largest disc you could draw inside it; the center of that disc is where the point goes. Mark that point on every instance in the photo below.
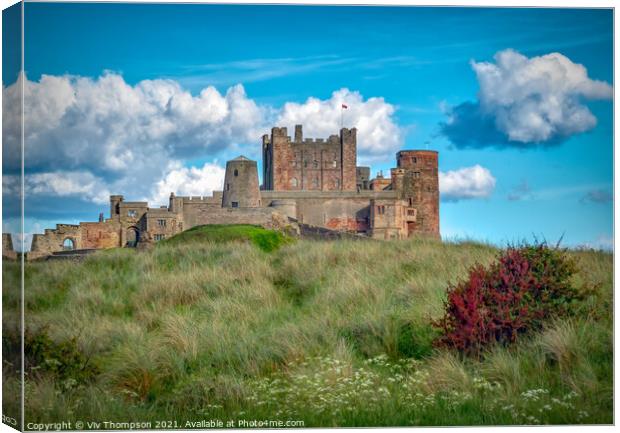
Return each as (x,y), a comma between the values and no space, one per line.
(514,295)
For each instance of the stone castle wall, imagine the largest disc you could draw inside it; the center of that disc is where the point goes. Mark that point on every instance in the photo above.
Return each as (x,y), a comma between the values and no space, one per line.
(8,252)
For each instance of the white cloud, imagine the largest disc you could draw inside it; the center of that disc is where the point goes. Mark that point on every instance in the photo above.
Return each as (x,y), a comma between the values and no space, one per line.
(466,183)
(107,125)
(86,137)
(377,135)
(537,99)
(192,181)
(77,184)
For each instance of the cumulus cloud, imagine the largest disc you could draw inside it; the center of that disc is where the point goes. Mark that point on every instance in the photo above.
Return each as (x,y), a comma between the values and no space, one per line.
(86,137)
(377,135)
(108,126)
(466,183)
(192,181)
(78,184)
(525,101)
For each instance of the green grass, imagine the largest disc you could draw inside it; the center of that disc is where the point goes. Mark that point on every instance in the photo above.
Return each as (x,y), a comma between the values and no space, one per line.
(331,333)
(266,240)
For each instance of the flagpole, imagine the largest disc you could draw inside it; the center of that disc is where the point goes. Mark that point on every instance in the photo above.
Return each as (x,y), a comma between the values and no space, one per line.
(341,116)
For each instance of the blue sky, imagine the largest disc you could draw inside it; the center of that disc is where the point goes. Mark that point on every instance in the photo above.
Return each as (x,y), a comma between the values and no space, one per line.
(418,60)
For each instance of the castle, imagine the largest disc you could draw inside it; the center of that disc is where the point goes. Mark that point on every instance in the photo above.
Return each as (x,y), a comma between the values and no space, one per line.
(306,182)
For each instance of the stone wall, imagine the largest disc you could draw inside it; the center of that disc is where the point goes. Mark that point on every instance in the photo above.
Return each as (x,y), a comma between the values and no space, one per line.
(95,235)
(86,235)
(388,219)
(8,252)
(362,175)
(348,211)
(160,224)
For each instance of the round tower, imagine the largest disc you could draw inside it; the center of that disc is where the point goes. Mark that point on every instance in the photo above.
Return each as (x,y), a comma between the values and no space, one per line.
(285,207)
(241,184)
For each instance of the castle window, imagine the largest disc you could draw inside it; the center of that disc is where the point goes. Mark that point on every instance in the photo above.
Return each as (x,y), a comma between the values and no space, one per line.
(334,163)
(381,210)
(337,183)
(411,212)
(227,187)
(236,173)
(315,182)
(305,163)
(294,182)
(410,201)
(161,223)
(416,174)
(235,204)
(132,213)
(294,163)
(159,237)
(414,160)
(315,164)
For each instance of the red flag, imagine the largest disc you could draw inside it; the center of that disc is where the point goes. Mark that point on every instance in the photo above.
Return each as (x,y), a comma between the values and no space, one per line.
(344,106)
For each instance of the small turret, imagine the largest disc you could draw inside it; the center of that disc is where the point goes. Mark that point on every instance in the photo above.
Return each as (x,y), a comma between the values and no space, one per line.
(115,201)
(241,184)
(299,135)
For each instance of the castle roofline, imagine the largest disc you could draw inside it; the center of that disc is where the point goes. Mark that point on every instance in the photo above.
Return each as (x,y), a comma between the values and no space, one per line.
(416,151)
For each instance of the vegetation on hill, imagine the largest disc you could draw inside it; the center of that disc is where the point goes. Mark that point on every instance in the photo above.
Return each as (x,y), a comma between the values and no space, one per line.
(335,333)
(266,240)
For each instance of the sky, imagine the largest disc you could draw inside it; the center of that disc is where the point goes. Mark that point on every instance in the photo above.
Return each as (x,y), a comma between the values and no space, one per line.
(146,99)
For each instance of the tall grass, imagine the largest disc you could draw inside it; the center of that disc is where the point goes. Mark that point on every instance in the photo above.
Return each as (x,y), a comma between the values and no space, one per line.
(332,333)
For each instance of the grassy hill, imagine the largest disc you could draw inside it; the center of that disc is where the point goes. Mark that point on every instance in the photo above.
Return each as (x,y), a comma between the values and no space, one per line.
(210,325)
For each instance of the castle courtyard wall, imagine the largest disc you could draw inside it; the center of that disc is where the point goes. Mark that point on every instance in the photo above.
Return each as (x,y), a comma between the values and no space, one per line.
(195,215)
(335,210)
(86,235)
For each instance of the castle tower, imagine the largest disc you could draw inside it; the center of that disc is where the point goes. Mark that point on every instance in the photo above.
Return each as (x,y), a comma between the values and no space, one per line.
(241,184)
(348,145)
(115,201)
(281,156)
(306,164)
(267,164)
(417,181)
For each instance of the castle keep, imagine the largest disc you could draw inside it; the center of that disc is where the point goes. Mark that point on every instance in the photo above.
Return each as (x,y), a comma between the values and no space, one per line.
(306,183)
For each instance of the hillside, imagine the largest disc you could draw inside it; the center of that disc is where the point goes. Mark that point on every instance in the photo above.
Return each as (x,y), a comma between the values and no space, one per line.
(331,333)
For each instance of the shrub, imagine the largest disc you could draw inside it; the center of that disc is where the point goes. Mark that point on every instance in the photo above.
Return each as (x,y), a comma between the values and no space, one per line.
(526,286)
(62,360)
(415,340)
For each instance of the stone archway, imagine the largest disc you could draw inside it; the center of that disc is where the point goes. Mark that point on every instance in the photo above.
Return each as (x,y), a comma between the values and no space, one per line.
(133,237)
(68,244)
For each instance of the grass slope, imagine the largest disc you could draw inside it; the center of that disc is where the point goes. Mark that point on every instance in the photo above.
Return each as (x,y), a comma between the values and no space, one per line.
(330,333)
(266,240)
